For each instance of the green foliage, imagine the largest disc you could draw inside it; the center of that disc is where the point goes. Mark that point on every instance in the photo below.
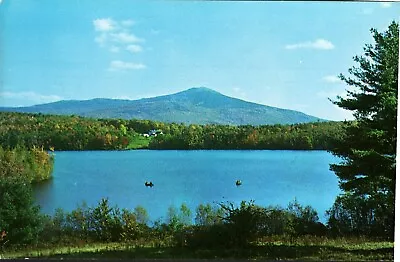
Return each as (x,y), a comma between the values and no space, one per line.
(101,223)
(78,133)
(208,215)
(278,222)
(178,222)
(63,132)
(78,222)
(361,215)
(54,228)
(34,165)
(368,171)
(225,225)
(106,222)
(241,226)
(314,136)
(244,223)
(132,226)
(305,220)
(302,249)
(19,217)
(141,215)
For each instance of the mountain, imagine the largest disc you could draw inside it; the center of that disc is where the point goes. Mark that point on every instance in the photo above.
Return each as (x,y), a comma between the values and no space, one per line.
(198,105)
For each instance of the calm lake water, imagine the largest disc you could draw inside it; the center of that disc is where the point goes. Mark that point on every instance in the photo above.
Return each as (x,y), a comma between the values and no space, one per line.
(190,177)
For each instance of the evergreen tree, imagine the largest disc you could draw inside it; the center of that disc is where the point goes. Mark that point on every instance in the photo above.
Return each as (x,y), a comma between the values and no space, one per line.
(367,172)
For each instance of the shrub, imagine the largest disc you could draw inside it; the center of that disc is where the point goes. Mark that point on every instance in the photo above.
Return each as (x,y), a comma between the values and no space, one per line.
(305,220)
(78,224)
(106,222)
(245,223)
(353,215)
(278,222)
(19,217)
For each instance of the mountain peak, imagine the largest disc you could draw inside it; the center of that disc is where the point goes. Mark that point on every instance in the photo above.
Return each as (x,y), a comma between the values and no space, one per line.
(200,89)
(197,105)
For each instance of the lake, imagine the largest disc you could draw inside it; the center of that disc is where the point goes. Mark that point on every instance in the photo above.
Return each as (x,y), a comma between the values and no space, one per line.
(270,177)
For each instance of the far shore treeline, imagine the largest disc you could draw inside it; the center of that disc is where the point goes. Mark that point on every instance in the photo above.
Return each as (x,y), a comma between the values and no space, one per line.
(78,133)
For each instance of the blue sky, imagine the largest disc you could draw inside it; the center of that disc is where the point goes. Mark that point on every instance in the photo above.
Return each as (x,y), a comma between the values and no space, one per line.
(283,54)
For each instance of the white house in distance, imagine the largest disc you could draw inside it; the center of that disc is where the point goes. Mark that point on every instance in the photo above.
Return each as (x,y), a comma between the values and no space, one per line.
(153,132)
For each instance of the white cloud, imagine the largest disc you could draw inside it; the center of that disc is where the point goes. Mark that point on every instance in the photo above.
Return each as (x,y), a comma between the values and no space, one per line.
(124,37)
(317,44)
(30,96)
(104,24)
(118,65)
(386,5)
(134,48)
(331,79)
(114,33)
(117,37)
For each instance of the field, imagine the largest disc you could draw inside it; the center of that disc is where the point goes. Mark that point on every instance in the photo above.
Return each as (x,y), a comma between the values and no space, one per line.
(138,142)
(310,248)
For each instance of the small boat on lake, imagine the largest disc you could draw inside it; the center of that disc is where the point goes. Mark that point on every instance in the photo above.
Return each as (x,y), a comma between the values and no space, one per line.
(149,184)
(238,182)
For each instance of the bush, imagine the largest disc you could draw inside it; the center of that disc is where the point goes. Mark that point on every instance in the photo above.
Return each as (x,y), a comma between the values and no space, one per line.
(130,227)
(19,217)
(55,228)
(105,222)
(241,226)
(353,215)
(77,223)
(278,222)
(305,220)
(244,223)
(101,223)
(211,236)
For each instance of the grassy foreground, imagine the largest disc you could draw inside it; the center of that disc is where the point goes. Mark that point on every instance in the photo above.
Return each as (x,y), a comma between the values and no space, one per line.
(302,249)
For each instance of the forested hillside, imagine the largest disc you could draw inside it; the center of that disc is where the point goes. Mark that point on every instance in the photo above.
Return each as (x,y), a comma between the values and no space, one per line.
(79,133)
(312,136)
(193,106)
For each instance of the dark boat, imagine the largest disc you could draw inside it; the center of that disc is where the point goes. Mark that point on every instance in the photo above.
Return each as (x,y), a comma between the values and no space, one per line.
(149,184)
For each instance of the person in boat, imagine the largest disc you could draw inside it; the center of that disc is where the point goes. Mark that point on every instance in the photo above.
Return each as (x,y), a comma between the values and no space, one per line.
(149,184)
(238,182)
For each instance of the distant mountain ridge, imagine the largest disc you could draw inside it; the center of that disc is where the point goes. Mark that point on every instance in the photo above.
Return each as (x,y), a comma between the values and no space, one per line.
(198,105)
